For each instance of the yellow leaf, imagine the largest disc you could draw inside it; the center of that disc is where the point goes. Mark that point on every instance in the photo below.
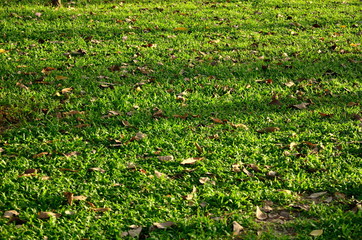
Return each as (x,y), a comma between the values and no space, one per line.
(61,78)
(180,29)
(316,233)
(2,50)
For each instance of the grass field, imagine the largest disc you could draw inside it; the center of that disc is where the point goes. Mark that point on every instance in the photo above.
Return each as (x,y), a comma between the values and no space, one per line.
(181,120)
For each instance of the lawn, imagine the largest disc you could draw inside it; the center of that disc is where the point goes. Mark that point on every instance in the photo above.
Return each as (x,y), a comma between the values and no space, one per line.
(181,119)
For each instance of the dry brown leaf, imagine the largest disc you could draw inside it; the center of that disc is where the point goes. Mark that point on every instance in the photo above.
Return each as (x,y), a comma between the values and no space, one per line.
(66,90)
(316,233)
(249,174)
(10,214)
(254,167)
(160,175)
(48,70)
(191,195)
(217,120)
(199,148)
(40,154)
(166,158)
(61,78)
(164,225)
(138,136)
(47,215)
(237,228)
(96,169)
(239,125)
(69,197)
(301,105)
(260,215)
(317,195)
(190,161)
(71,154)
(80,198)
(134,232)
(289,84)
(236,168)
(268,130)
(22,86)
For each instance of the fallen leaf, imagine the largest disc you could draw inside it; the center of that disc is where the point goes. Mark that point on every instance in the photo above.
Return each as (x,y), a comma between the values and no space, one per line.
(68,212)
(268,130)
(204,180)
(249,174)
(48,70)
(40,154)
(239,125)
(134,232)
(138,136)
(10,214)
(316,233)
(260,215)
(66,90)
(61,78)
(191,195)
(301,106)
(180,29)
(325,115)
(289,84)
(236,168)
(199,148)
(317,195)
(71,154)
(79,198)
(164,225)
(166,158)
(254,167)
(190,161)
(356,117)
(217,120)
(160,175)
(96,169)
(2,50)
(237,228)
(22,86)
(47,215)
(69,197)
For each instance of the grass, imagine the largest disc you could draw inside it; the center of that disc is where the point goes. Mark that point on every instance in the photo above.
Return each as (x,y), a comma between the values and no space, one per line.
(92,95)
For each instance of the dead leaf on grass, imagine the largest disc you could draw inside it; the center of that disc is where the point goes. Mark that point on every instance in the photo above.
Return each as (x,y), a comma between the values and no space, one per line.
(47,215)
(134,232)
(316,195)
(96,169)
(316,233)
(190,161)
(166,158)
(71,154)
(10,214)
(164,225)
(101,209)
(260,214)
(300,106)
(268,130)
(48,70)
(237,228)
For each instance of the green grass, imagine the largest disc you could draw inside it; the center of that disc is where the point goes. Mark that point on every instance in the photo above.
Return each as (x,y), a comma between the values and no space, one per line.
(207,66)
